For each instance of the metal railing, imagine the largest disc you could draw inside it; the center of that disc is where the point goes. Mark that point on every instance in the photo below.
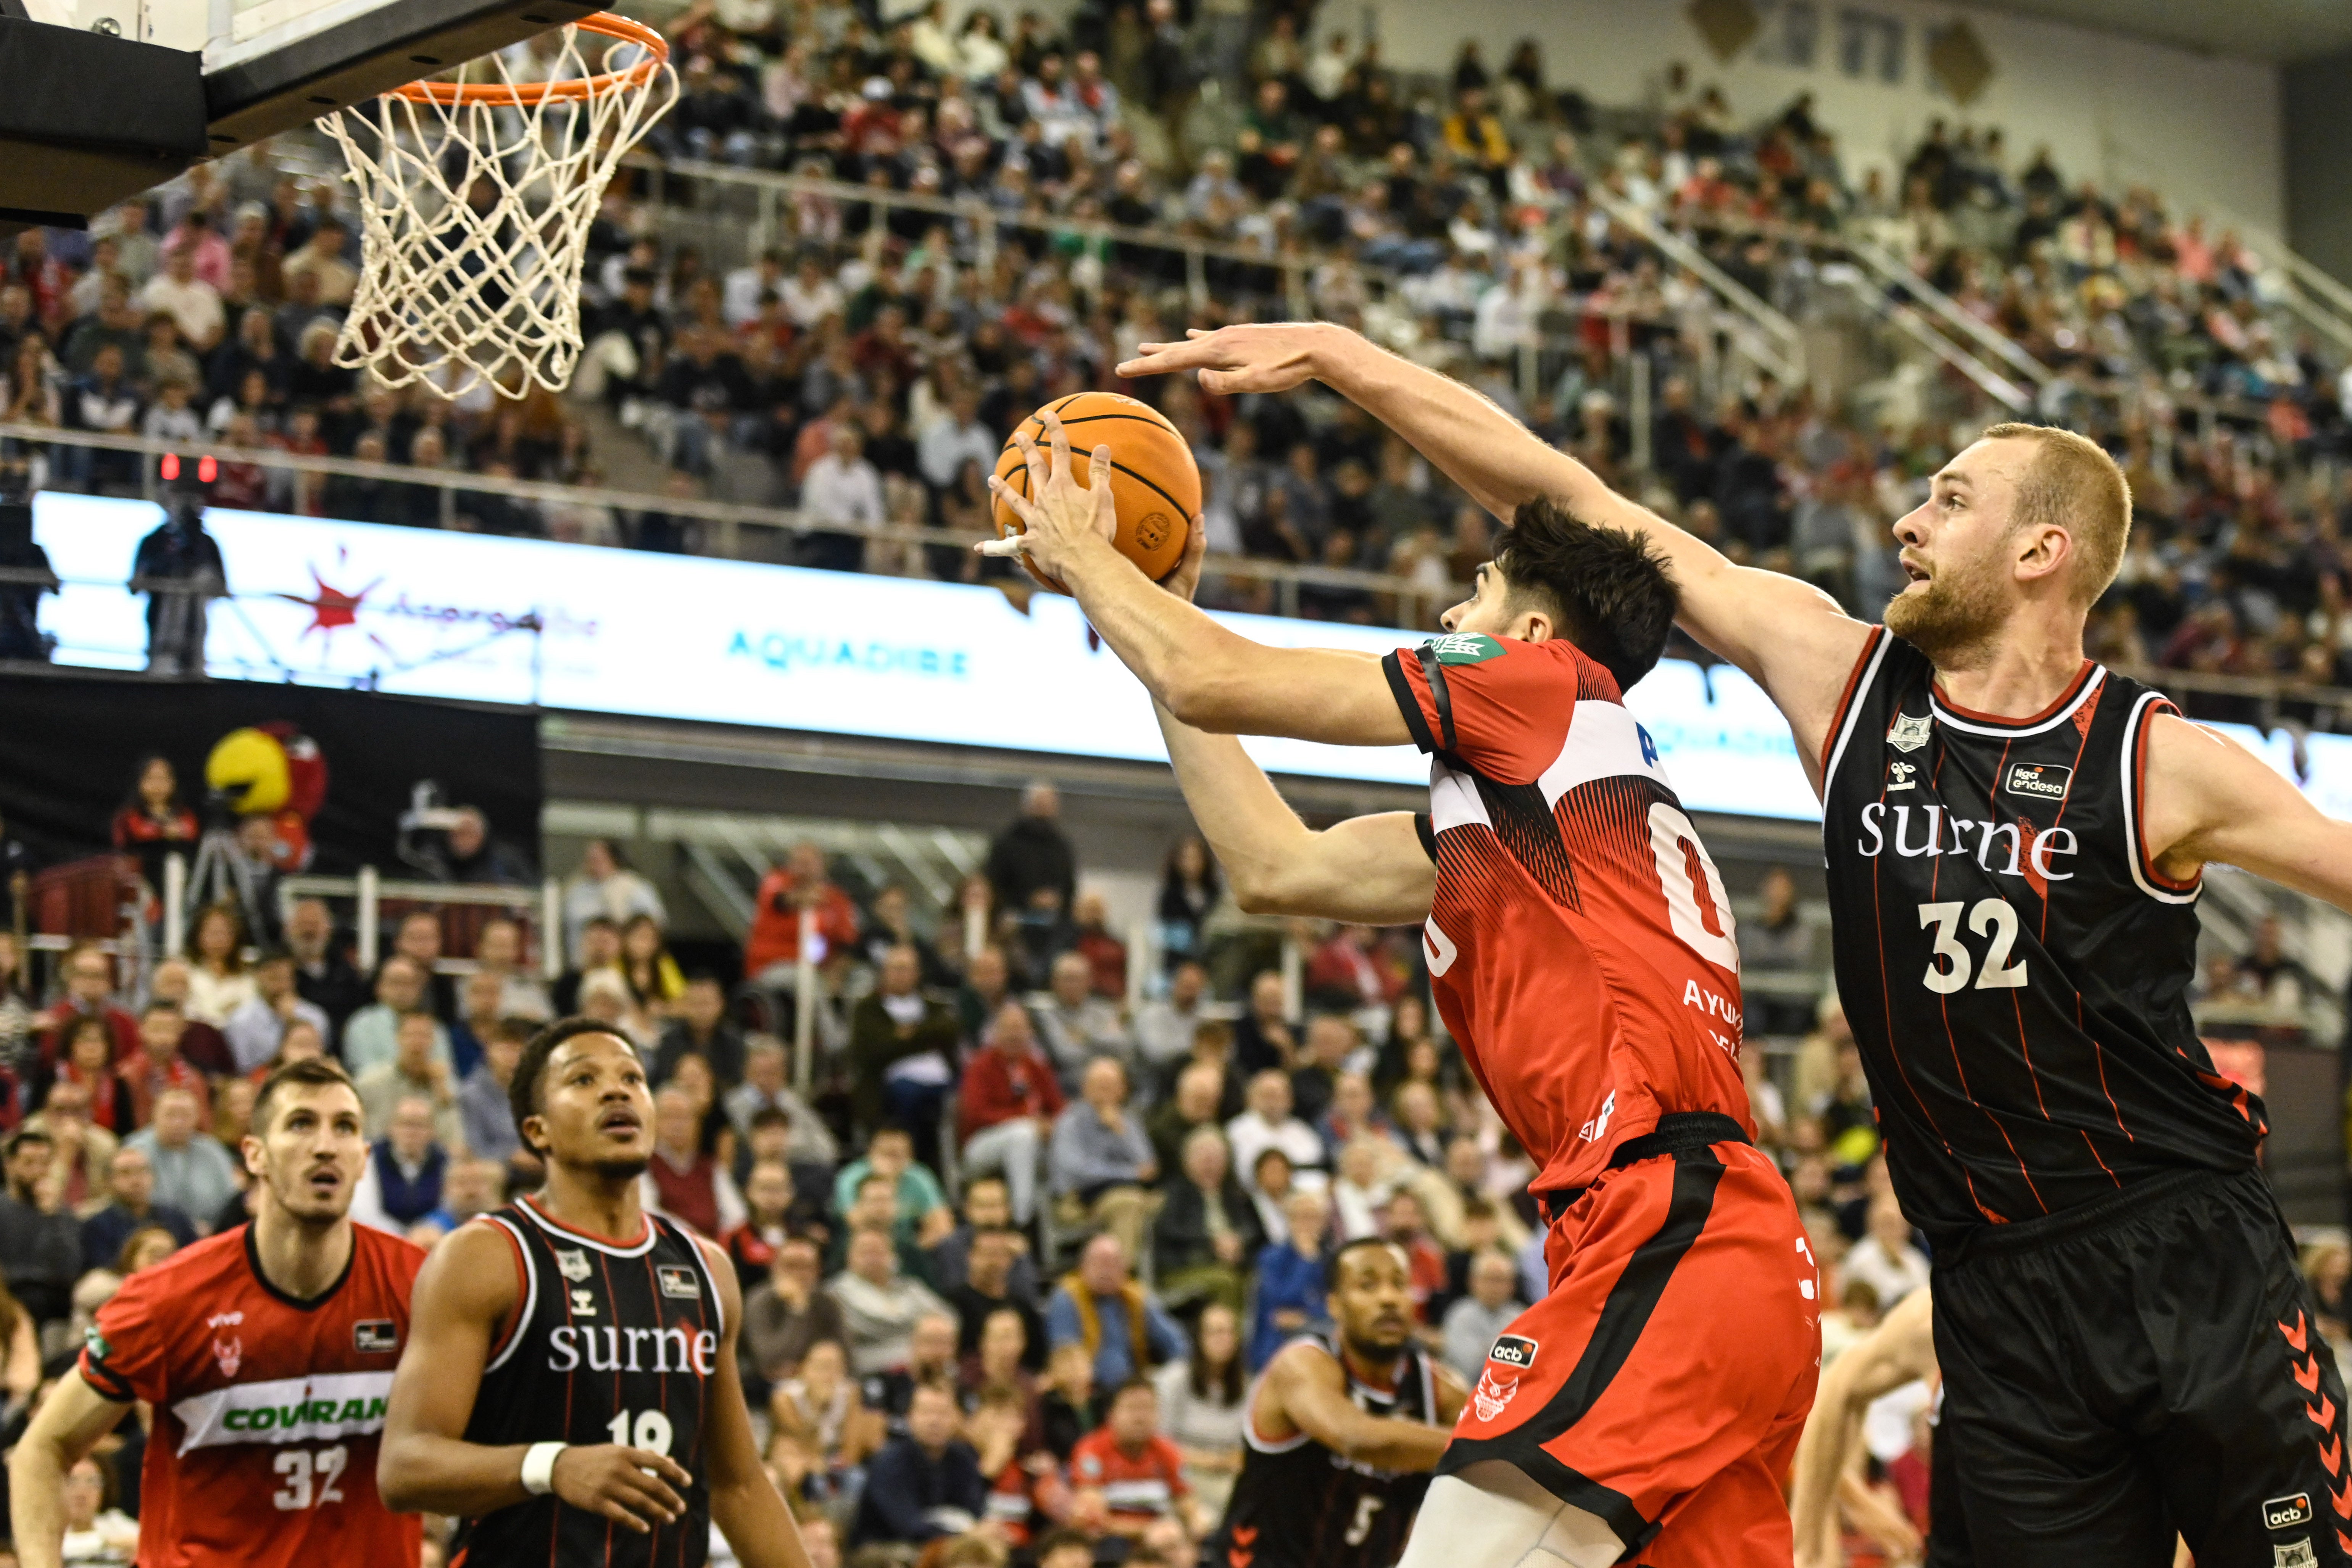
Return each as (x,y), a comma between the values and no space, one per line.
(1418,603)
(1781,347)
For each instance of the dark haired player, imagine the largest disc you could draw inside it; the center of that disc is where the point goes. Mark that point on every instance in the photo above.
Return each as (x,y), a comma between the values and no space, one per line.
(266,1353)
(1341,1431)
(572,1393)
(1580,949)
(2015,838)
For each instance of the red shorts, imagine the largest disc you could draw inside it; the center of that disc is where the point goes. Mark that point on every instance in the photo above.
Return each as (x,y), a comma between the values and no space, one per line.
(1663,1382)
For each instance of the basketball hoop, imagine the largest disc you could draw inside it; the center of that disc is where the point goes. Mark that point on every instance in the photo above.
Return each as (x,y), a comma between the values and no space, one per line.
(477,199)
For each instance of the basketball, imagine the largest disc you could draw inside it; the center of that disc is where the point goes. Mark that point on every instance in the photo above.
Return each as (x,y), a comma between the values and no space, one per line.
(1154,479)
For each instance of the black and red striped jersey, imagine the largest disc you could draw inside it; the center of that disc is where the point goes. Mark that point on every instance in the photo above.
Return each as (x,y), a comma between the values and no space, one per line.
(2014,969)
(611,1343)
(1580,945)
(1296,1504)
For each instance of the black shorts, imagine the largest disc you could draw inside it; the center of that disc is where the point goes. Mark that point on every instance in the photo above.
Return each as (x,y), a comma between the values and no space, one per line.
(2146,1364)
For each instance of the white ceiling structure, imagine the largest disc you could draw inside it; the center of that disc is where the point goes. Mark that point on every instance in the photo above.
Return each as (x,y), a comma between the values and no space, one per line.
(2281,31)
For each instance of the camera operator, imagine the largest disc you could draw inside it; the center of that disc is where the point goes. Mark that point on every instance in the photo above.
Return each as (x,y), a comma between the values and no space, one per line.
(20,632)
(179,568)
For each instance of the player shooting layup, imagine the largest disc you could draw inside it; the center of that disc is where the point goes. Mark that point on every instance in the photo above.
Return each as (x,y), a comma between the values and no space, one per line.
(2014,837)
(1581,949)
(267,1353)
(572,1393)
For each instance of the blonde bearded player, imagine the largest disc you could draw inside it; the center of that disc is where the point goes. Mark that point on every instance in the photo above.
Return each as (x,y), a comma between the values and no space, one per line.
(1581,951)
(2014,838)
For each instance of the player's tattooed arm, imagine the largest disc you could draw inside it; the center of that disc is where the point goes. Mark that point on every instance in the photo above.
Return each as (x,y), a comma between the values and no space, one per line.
(2207,798)
(464,1296)
(1901,1350)
(1367,870)
(67,1425)
(744,1504)
(1310,1393)
(1791,637)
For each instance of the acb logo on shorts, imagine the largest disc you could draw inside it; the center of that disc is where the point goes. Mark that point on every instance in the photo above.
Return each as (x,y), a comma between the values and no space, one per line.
(1513,1351)
(2286,1513)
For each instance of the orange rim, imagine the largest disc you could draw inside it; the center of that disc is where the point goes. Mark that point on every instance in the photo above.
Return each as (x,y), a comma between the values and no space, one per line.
(523,94)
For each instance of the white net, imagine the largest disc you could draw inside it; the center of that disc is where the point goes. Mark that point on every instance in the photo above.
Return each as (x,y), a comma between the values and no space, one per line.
(476,202)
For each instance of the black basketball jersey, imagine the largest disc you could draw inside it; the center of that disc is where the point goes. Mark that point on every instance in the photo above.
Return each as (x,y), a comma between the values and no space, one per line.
(1296,1504)
(2013,967)
(610,1343)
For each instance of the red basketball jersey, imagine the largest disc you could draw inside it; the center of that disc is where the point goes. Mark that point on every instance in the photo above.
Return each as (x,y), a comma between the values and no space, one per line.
(268,1410)
(1581,948)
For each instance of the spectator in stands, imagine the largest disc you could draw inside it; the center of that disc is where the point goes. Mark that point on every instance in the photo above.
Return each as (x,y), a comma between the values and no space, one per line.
(1031,864)
(323,972)
(1164,1026)
(987,1290)
(485,1117)
(1103,1307)
(498,949)
(414,1072)
(655,981)
(1885,1259)
(369,1038)
(193,1173)
(89,1065)
(599,948)
(481,996)
(38,1238)
(402,1184)
(925,1484)
(1077,1026)
(192,304)
(1776,942)
(159,1066)
(842,489)
(1206,1232)
(1331,1040)
(769,1200)
(1101,1161)
(920,1215)
(1290,1283)
(254,1030)
(1140,1472)
(202,1046)
(1204,1407)
(1010,1096)
(879,1304)
(787,1312)
(703,1027)
(604,885)
(1265,1037)
(1189,888)
(1091,940)
(930,1359)
(1471,1322)
(764,1091)
(89,993)
(1268,1124)
(681,1180)
(470,855)
(987,987)
(84,1152)
(902,1048)
(893,925)
(799,885)
(1199,1088)
(822,1411)
(131,1192)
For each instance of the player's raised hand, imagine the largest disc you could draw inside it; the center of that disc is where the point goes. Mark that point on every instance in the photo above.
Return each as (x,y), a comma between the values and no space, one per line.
(637,1488)
(1058,515)
(1272,356)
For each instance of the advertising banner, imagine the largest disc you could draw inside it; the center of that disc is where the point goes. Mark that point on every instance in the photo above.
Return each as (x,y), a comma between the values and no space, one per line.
(422,612)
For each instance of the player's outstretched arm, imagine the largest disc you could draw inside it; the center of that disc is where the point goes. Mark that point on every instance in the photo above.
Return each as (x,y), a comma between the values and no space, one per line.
(1901,1350)
(65,1428)
(2208,798)
(1787,635)
(1211,678)
(1367,870)
(465,1294)
(1311,1389)
(744,1502)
